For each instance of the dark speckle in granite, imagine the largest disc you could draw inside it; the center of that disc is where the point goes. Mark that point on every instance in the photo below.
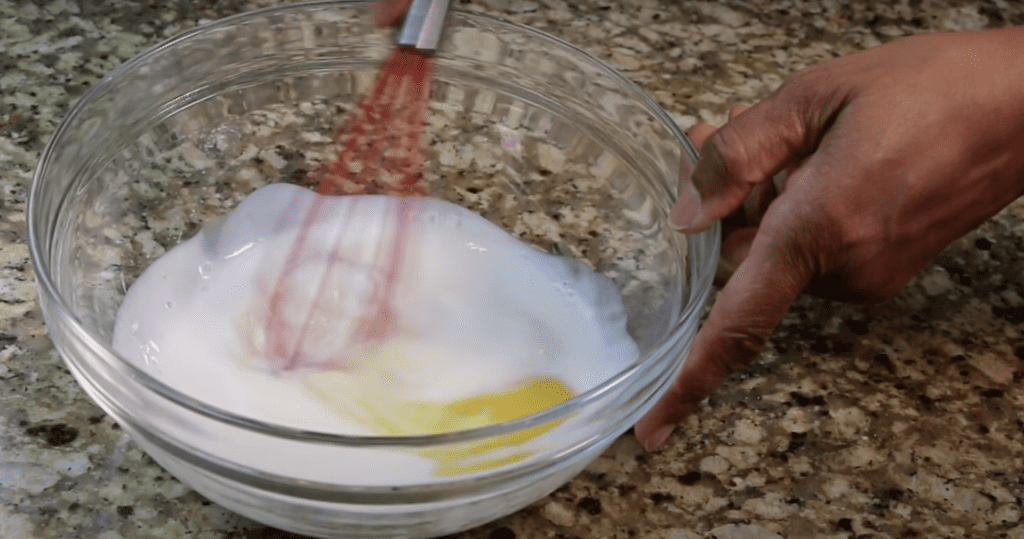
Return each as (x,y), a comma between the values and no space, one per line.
(1013,315)
(590,505)
(662,497)
(689,478)
(55,435)
(857,327)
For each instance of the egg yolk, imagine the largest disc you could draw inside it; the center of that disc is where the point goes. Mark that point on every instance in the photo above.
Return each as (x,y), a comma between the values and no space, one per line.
(532,396)
(370,399)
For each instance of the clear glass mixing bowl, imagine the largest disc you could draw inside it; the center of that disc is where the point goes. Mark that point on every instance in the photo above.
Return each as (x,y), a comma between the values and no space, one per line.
(527,130)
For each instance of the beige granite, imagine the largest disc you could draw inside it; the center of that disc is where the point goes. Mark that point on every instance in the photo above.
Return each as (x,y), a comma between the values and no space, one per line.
(896,421)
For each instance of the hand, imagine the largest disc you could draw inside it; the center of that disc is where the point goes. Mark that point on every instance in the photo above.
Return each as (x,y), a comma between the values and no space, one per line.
(390,12)
(893,153)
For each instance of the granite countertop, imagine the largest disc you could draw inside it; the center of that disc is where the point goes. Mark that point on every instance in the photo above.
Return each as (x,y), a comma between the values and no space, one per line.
(901,420)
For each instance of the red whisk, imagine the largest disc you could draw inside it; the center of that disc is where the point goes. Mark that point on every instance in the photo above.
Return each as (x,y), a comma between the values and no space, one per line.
(382,152)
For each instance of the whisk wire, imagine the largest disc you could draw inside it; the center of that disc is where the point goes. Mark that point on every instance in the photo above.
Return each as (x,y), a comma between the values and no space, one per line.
(381,152)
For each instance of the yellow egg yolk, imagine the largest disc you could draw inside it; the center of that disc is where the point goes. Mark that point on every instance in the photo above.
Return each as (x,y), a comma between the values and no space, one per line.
(369,398)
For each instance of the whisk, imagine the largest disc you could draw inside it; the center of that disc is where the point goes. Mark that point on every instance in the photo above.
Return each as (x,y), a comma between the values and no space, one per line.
(381,153)
(382,146)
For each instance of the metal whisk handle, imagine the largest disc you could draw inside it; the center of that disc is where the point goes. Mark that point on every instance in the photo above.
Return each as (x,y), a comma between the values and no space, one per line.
(423,24)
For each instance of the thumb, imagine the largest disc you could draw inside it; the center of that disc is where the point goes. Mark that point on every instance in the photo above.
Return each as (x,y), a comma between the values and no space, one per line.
(748,150)
(775,271)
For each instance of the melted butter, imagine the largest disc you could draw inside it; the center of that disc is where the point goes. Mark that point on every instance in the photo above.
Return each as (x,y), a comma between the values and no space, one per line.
(372,398)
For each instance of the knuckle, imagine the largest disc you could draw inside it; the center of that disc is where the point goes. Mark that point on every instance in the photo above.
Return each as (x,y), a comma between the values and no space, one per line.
(812,97)
(730,150)
(809,75)
(806,85)
(845,249)
(745,342)
(807,237)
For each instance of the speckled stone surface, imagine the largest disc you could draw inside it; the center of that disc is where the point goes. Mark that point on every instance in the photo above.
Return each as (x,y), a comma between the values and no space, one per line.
(901,420)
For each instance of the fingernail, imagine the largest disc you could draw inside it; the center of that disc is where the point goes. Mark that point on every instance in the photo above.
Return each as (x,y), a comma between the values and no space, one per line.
(685,210)
(658,437)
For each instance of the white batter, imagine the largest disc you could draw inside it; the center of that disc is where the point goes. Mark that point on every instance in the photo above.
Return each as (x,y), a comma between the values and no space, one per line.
(480,312)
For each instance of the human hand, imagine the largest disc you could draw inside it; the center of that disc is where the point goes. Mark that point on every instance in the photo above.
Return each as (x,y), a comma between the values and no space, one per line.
(390,12)
(892,154)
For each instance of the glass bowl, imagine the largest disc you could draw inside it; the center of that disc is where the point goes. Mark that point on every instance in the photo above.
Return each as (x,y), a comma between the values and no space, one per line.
(528,131)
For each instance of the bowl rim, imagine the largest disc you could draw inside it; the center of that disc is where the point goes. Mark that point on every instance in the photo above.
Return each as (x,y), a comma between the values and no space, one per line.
(700,277)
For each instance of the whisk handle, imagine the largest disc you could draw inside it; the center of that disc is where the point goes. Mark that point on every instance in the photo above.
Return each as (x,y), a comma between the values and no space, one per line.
(423,24)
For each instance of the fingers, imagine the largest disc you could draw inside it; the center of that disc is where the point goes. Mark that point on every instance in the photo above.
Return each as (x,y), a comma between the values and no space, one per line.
(735,247)
(736,110)
(689,199)
(748,150)
(699,133)
(765,273)
(766,282)
(390,12)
